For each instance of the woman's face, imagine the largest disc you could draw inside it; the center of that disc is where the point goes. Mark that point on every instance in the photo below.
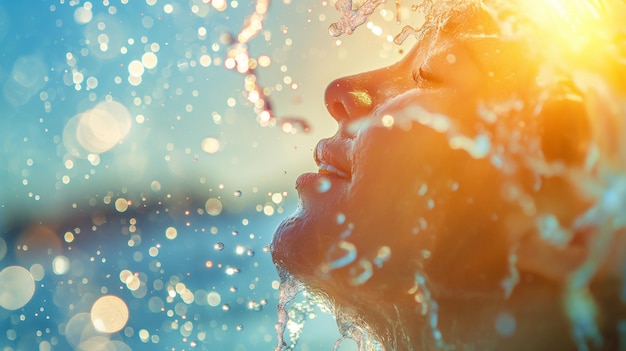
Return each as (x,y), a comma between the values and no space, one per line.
(412,180)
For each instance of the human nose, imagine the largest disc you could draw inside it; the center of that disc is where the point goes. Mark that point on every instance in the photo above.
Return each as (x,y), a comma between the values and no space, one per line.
(353,97)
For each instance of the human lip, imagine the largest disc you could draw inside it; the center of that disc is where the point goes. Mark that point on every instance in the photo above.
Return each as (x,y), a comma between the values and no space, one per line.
(331,156)
(331,170)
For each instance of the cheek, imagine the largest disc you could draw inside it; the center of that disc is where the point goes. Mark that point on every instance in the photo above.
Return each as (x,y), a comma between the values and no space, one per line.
(402,106)
(395,181)
(398,158)
(411,192)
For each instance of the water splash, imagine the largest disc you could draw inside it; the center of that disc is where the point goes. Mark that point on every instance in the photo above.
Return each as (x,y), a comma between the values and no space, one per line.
(289,289)
(429,307)
(294,124)
(435,13)
(238,58)
(362,272)
(406,32)
(351,331)
(383,255)
(351,19)
(607,216)
(510,282)
(341,255)
(551,231)
(254,23)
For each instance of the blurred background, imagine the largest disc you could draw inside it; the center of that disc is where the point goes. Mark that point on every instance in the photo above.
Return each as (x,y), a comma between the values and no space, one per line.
(139,188)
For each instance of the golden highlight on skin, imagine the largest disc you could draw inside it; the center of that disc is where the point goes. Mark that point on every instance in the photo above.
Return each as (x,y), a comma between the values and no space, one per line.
(362,98)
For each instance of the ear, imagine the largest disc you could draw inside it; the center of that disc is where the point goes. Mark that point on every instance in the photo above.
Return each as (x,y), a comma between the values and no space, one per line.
(564,127)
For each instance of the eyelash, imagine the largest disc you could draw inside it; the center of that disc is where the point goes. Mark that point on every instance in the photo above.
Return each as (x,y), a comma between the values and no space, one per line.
(420,76)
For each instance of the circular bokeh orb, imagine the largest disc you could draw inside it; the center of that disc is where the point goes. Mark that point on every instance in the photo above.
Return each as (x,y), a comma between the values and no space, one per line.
(109,314)
(17,287)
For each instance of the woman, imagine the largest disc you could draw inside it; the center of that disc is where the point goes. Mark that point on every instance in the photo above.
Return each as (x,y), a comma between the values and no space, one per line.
(471,197)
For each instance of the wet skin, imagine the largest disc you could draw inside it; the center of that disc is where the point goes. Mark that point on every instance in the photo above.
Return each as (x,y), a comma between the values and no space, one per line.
(399,199)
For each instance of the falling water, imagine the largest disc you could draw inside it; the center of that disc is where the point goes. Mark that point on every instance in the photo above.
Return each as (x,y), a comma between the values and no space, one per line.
(349,330)
(289,289)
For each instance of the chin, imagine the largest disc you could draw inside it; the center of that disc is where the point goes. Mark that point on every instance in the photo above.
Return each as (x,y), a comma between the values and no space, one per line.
(301,241)
(292,247)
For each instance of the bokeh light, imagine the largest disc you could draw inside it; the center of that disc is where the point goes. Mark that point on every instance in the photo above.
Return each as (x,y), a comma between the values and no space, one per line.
(142,178)
(17,287)
(109,314)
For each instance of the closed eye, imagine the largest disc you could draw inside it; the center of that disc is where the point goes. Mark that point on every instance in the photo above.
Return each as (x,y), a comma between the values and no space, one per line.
(422,75)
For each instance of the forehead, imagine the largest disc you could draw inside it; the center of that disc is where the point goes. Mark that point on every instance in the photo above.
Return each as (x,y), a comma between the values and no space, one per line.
(505,66)
(454,28)
(476,30)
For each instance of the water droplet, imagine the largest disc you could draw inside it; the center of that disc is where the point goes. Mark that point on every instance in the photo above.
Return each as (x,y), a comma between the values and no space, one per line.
(213,298)
(239,327)
(505,324)
(431,204)
(239,250)
(341,255)
(341,218)
(362,272)
(383,255)
(423,223)
(478,147)
(423,189)
(550,229)
(323,185)
(237,193)
(232,270)
(213,206)
(171,233)
(255,306)
(234,233)
(218,246)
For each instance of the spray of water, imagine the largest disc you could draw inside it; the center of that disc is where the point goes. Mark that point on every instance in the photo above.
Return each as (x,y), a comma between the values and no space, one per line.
(349,330)
(289,289)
